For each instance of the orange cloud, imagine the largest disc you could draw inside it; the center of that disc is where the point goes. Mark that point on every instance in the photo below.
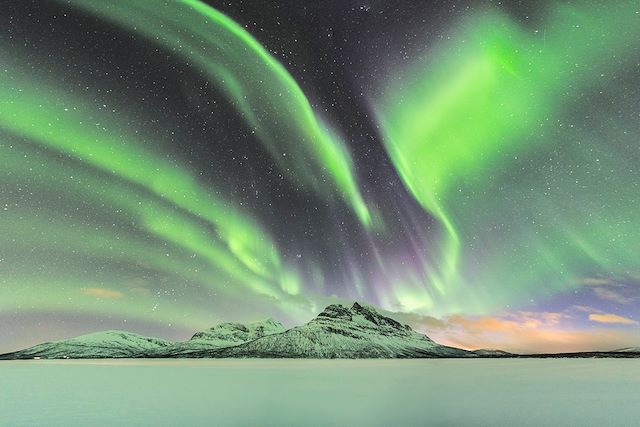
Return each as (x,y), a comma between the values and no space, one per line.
(525,332)
(102,293)
(481,325)
(541,340)
(611,318)
(507,322)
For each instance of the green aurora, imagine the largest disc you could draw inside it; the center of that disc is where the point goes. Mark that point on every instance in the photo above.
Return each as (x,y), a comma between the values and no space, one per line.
(259,87)
(487,137)
(516,145)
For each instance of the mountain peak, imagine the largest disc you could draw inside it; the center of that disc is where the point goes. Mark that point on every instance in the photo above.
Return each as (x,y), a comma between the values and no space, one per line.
(226,334)
(336,311)
(268,322)
(338,331)
(360,313)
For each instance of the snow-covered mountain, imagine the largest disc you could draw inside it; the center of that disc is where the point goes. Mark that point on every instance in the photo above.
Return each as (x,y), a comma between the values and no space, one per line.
(342,332)
(120,344)
(227,334)
(337,332)
(222,335)
(106,344)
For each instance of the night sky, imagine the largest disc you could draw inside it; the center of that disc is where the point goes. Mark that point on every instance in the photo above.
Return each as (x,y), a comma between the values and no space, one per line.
(470,168)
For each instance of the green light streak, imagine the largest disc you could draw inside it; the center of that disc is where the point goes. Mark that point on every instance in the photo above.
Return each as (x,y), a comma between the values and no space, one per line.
(464,130)
(165,200)
(257,85)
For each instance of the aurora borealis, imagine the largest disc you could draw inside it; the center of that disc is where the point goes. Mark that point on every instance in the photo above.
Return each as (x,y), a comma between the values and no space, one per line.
(471,167)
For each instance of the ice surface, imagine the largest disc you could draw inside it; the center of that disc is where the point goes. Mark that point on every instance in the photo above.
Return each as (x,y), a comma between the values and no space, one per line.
(252,392)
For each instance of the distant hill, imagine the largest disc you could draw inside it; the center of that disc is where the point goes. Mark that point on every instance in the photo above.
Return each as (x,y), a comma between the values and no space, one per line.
(629,350)
(492,353)
(98,345)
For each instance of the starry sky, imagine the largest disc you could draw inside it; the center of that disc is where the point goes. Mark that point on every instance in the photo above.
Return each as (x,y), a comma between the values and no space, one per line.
(470,168)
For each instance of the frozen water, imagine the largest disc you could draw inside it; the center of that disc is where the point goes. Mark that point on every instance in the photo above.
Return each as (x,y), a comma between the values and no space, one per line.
(256,392)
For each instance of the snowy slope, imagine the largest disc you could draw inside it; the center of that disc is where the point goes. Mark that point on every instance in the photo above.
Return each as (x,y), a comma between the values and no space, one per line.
(227,334)
(223,335)
(107,344)
(342,332)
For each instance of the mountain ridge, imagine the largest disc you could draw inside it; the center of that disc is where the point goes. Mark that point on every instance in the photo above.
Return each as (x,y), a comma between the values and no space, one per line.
(359,332)
(338,331)
(356,332)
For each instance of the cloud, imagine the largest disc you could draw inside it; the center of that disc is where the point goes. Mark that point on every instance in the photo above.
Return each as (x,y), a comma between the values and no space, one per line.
(521,320)
(596,281)
(414,319)
(611,318)
(620,290)
(102,293)
(522,332)
(583,309)
(613,296)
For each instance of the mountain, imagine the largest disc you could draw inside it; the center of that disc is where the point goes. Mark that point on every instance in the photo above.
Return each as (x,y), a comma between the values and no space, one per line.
(340,332)
(107,344)
(227,334)
(222,335)
(120,344)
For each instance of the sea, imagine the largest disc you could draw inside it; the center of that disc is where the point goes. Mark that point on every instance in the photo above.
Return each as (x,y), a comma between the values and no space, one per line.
(285,392)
